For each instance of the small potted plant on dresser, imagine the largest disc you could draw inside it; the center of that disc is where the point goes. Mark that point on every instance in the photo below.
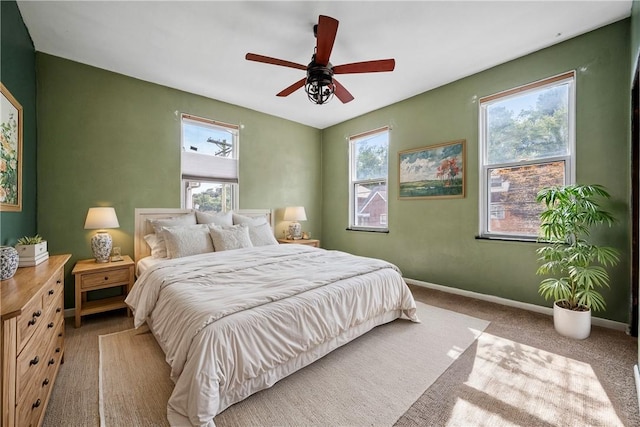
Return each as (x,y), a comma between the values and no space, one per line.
(32,250)
(578,266)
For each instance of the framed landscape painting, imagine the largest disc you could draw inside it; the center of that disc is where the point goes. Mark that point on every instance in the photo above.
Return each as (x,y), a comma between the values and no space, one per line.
(10,152)
(437,171)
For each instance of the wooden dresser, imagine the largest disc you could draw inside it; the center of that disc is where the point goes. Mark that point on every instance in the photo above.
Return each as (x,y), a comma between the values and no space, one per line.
(32,340)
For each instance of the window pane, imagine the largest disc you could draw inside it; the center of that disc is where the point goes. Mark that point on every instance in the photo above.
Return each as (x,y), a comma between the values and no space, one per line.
(529,126)
(203,139)
(513,209)
(371,204)
(209,196)
(371,157)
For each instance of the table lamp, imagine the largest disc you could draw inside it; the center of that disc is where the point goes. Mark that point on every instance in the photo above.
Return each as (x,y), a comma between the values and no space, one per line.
(101,219)
(295,214)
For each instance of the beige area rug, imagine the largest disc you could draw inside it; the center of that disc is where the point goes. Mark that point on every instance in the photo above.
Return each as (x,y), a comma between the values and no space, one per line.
(370,381)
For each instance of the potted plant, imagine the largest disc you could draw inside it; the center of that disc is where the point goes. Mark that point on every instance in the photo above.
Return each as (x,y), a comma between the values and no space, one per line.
(578,266)
(31,247)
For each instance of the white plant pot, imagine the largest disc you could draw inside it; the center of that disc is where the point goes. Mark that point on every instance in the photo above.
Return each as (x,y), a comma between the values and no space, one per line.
(32,251)
(571,323)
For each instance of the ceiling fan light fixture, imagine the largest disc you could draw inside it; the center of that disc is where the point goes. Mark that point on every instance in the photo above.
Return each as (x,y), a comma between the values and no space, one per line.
(319,86)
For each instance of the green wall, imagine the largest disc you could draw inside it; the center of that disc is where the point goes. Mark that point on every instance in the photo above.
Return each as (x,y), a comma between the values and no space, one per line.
(435,240)
(111,140)
(18,74)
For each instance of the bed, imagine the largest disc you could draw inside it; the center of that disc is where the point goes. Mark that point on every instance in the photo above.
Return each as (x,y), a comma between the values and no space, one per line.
(234,322)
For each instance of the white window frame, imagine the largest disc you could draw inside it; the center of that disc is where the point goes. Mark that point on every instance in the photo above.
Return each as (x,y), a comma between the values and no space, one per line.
(353,182)
(206,168)
(484,169)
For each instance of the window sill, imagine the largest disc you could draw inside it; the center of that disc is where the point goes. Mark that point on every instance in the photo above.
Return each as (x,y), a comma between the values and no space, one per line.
(369,230)
(507,239)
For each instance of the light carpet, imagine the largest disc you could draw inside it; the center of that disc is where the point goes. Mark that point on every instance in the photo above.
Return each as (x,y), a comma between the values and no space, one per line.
(371,381)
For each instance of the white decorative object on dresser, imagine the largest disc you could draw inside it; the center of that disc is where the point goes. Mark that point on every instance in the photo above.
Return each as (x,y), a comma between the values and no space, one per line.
(32,340)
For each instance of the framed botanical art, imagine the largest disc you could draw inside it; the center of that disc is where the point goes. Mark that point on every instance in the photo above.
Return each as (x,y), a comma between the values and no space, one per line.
(10,152)
(436,171)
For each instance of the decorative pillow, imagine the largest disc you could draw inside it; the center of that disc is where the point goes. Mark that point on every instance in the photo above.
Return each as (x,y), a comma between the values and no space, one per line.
(157,245)
(227,238)
(218,218)
(159,224)
(189,240)
(262,235)
(242,219)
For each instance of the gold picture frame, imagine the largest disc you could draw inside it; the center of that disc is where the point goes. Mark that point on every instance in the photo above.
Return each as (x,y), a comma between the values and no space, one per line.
(11,123)
(433,172)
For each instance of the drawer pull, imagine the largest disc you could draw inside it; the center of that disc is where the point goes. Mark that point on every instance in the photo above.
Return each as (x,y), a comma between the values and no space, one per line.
(37,313)
(50,325)
(36,404)
(31,322)
(60,334)
(106,277)
(51,291)
(58,310)
(45,382)
(34,361)
(58,350)
(51,361)
(58,281)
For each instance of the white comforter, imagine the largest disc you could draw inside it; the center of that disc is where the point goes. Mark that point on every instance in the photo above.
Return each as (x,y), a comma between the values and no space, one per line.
(235,322)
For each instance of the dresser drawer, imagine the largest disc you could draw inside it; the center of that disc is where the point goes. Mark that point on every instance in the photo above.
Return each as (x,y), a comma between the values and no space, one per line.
(97,280)
(35,355)
(53,289)
(30,409)
(29,320)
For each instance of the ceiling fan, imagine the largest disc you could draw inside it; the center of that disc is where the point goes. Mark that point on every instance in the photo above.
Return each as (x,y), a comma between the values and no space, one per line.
(319,83)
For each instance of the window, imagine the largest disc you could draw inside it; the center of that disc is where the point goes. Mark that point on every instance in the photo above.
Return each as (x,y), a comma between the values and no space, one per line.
(527,142)
(369,165)
(209,164)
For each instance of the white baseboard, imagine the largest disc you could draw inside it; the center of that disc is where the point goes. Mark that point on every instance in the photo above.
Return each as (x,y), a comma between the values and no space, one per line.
(611,324)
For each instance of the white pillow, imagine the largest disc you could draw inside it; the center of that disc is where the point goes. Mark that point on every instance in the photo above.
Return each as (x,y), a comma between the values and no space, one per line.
(189,240)
(217,218)
(159,224)
(262,235)
(242,219)
(227,238)
(188,219)
(157,245)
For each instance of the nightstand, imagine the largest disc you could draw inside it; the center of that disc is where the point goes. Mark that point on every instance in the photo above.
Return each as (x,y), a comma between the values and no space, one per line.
(309,242)
(91,276)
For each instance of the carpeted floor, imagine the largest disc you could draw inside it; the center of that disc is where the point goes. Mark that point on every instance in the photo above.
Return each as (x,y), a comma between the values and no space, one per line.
(394,363)
(516,341)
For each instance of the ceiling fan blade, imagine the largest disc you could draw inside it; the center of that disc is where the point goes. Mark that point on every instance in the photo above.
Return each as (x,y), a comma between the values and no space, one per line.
(294,87)
(366,67)
(342,93)
(274,61)
(326,35)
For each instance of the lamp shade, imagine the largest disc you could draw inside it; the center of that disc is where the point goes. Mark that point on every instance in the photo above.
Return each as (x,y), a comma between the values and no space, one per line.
(100,218)
(295,213)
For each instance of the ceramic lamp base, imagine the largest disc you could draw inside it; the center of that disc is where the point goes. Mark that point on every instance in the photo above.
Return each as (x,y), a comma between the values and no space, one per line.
(8,262)
(295,230)
(101,246)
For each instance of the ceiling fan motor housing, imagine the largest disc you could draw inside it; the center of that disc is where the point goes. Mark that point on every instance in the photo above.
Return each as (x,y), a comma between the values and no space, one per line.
(319,86)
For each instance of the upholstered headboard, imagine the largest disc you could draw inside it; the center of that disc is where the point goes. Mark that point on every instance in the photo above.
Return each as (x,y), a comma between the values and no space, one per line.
(144,227)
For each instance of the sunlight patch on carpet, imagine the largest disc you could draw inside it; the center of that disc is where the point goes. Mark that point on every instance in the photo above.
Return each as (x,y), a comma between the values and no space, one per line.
(511,382)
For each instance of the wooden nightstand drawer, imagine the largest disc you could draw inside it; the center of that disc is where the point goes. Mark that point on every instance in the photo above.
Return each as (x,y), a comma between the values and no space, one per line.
(309,242)
(107,278)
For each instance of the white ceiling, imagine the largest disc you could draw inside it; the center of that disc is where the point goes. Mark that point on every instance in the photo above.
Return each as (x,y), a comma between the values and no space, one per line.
(199,47)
